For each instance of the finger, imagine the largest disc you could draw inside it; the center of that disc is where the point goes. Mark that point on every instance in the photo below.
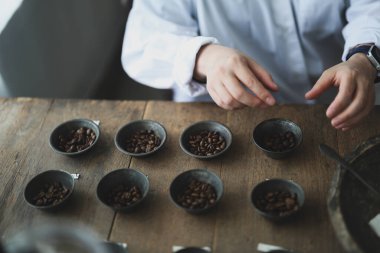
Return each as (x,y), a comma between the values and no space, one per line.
(323,83)
(248,78)
(222,97)
(359,102)
(343,98)
(263,75)
(236,89)
(356,119)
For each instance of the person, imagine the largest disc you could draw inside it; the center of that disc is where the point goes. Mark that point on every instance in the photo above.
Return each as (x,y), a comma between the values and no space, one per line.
(258,52)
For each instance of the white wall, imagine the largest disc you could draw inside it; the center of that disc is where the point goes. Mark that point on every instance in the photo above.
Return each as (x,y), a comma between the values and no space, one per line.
(60,48)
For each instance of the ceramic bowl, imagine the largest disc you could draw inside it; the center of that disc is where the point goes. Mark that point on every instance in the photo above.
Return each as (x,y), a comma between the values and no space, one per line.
(264,133)
(183,180)
(262,189)
(205,126)
(125,177)
(126,132)
(41,182)
(65,130)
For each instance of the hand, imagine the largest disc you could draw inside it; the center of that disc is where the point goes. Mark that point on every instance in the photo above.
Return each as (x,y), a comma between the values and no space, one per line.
(356,95)
(228,73)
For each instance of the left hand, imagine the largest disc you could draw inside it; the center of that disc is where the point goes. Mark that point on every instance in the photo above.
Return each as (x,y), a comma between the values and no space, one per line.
(356,96)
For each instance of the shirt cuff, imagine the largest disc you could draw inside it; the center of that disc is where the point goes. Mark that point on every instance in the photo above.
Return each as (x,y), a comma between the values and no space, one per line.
(184,64)
(351,43)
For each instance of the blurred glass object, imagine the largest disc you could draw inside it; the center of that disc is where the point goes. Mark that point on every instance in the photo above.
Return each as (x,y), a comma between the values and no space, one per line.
(7,9)
(55,239)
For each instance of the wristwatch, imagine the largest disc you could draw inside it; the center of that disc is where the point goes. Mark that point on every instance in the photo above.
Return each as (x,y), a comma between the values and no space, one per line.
(372,53)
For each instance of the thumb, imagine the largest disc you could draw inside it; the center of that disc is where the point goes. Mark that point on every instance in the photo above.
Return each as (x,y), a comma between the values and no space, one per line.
(323,83)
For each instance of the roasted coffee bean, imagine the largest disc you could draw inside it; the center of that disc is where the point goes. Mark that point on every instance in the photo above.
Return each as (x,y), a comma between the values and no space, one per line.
(51,194)
(76,140)
(206,143)
(280,142)
(278,202)
(123,195)
(198,195)
(142,141)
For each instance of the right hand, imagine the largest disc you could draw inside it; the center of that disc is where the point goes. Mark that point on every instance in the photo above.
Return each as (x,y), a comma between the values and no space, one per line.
(227,71)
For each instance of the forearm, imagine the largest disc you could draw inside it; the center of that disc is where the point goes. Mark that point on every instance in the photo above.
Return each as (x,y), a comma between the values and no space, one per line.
(160,48)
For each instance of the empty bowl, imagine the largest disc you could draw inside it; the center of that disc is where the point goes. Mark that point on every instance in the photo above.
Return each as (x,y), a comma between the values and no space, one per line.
(205,139)
(140,138)
(49,190)
(277,198)
(74,137)
(123,189)
(196,191)
(277,138)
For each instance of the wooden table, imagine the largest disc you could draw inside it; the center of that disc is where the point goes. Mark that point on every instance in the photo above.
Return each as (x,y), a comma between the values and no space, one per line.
(25,126)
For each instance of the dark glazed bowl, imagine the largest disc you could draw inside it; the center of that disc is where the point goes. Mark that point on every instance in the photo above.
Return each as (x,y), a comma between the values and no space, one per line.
(115,247)
(192,250)
(200,126)
(129,177)
(128,130)
(273,185)
(268,128)
(180,183)
(66,127)
(36,184)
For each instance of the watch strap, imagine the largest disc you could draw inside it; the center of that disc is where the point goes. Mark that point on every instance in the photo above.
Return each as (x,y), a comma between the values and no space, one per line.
(358,49)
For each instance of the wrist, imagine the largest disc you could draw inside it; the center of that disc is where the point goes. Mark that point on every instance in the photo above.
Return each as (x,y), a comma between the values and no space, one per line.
(362,59)
(371,52)
(201,65)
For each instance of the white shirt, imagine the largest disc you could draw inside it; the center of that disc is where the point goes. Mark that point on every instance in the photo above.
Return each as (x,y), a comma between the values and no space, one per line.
(294,40)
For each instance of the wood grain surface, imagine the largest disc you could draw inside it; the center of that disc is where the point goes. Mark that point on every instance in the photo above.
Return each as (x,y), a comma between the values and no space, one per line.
(157,225)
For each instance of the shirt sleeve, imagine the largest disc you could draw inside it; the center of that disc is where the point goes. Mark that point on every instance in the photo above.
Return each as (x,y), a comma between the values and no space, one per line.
(161,43)
(363,24)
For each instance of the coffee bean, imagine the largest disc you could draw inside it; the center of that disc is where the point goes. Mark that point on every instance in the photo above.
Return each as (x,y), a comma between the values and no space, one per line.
(198,195)
(76,140)
(143,141)
(280,203)
(206,143)
(123,195)
(51,194)
(280,141)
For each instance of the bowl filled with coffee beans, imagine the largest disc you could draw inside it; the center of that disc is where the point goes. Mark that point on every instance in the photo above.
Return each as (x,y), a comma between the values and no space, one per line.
(75,137)
(49,190)
(123,189)
(140,138)
(277,199)
(196,190)
(205,139)
(277,138)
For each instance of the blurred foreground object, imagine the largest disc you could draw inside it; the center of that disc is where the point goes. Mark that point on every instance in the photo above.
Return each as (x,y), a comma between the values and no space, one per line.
(55,239)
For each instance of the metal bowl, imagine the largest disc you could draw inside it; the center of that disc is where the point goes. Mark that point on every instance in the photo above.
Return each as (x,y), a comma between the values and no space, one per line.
(200,126)
(66,127)
(126,131)
(181,182)
(129,177)
(280,185)
(36,184)
(268,128)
